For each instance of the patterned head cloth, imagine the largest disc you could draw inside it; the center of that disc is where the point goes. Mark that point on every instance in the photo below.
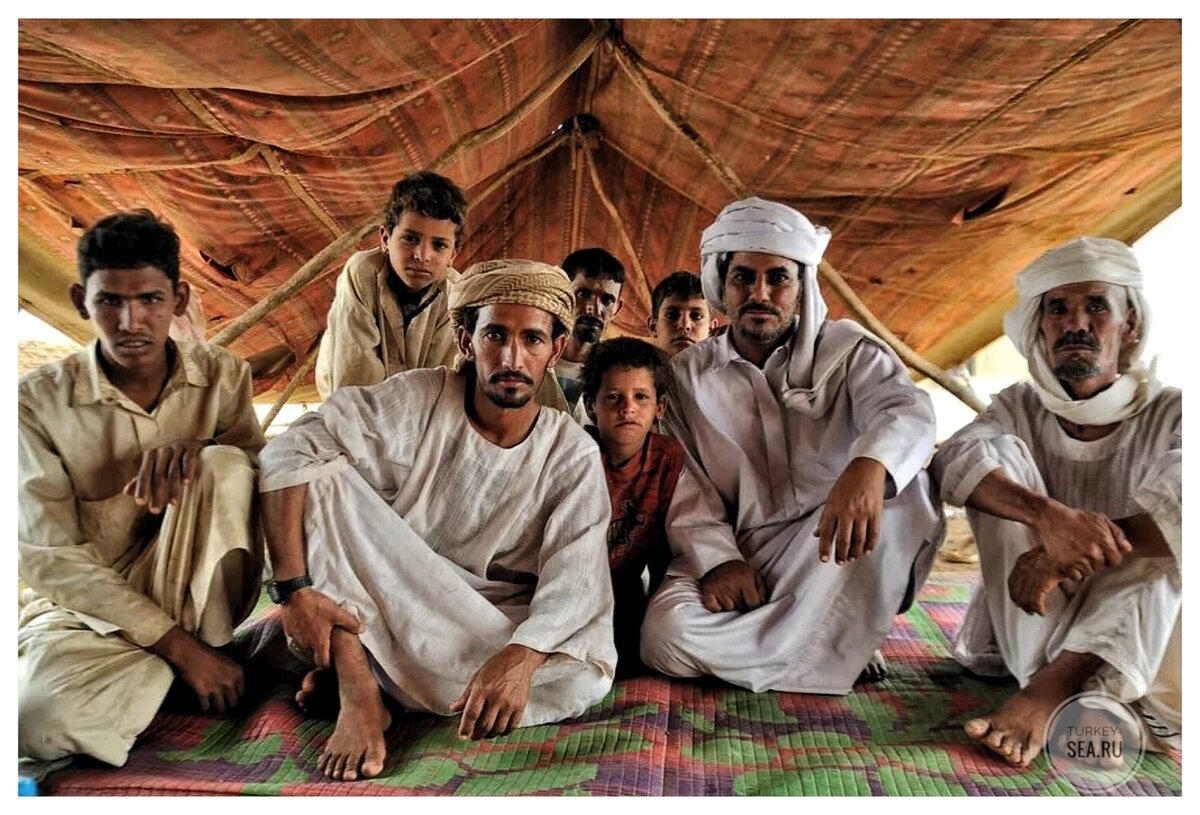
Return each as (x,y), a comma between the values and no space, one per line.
(514,282)
(1083,260)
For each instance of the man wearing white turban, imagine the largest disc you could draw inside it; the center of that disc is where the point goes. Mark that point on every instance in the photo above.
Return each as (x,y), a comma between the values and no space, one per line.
(1072,488)
(442,537)
(803,521)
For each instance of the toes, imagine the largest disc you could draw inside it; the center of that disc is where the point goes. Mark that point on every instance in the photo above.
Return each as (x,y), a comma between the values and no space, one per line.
(977,728)
(995,739)
(373,762)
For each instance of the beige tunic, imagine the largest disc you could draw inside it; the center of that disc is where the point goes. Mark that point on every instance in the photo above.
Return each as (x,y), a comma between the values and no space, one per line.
(1127,616)
(448,547)
(366,338)
(104,578)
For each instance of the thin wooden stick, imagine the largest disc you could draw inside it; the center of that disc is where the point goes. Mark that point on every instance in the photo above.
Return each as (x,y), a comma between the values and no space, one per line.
(628,61)
(303,276)
(552,144)
(644,289)
(540,94)
(910,357)
(293,383)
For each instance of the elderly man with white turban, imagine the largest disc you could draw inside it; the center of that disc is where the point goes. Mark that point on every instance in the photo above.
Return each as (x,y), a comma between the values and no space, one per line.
(1072,489)
(803,521)
(442,537)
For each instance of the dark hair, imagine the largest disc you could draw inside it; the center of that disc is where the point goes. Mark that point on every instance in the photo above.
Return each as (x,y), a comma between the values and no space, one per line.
(428,194)
(594,263)
(127,240)
(682,285)
(470,318)
(623,352)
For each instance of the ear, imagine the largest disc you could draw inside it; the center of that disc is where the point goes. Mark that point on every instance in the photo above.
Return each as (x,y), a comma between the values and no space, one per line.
(79,300)
(652,325)
(383,239)
(712,325)
(183,295)
(661,407)
(464,343)
(620,305)
(589,407)
(559,344)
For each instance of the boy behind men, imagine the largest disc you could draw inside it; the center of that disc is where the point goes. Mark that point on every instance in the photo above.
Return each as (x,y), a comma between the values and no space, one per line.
(135,486)
(389,312)
(680,316)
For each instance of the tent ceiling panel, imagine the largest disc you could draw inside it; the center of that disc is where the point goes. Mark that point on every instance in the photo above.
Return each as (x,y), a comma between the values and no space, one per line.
(944,155)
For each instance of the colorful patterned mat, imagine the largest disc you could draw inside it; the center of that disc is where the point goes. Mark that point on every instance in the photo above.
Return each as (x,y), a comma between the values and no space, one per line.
(650,736)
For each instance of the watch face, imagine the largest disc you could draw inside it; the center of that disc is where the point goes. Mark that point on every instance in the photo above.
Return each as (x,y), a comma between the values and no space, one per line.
(273,592)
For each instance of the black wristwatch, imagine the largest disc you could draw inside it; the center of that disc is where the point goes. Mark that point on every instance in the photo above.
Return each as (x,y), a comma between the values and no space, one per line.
(280,590)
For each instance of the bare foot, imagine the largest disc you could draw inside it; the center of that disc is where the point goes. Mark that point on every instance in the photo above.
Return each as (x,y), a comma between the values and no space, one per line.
(318,694)
(876,670)
(1016,730)
(357,747)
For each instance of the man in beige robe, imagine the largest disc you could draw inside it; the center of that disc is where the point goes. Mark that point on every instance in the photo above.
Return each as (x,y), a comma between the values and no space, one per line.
(389,311)
(136,537)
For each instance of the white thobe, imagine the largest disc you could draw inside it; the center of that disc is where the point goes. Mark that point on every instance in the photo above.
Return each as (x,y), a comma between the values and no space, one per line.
(1127,616)
(762,456)
(449,548)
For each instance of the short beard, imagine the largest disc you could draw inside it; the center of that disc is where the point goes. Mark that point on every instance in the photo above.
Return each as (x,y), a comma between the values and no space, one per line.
(587,333)
(501,398)
(1077,368)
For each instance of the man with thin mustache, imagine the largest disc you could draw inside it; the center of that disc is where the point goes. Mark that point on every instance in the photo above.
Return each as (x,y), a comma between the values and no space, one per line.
(429,534)
(1072,484)
(596,279)
(803,521)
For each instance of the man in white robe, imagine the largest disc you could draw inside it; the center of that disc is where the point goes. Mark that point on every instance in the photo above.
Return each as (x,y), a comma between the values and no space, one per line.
(1072,488)
(803,521)
(452,532)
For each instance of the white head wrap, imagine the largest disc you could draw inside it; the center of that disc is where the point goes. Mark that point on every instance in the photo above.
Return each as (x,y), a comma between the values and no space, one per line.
(755,225)
(1080,261)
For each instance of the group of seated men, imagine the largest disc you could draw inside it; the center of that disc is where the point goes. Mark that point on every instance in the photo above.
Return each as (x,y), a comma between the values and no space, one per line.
(495,512)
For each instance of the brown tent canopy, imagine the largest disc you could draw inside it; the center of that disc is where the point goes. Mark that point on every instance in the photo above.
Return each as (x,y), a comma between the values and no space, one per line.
(944,155)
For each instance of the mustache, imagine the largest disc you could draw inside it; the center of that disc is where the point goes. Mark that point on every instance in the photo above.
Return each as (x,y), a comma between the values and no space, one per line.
(1077,339)
(759,308)
(495,378)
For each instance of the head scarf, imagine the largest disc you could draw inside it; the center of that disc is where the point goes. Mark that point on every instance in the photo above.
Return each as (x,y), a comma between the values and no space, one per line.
(756,225)
(1083,260)
(512,282)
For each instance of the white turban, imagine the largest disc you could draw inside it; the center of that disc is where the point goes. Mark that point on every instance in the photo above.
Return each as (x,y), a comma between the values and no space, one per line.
(1080,261)
(755,225)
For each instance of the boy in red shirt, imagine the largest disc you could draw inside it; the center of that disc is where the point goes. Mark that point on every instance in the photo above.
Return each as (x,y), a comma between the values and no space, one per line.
(624,392)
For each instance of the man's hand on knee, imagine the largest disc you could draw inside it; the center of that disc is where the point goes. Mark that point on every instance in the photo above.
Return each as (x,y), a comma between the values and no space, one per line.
(494,700)
(1079,542)
(309,618)
(732,586)
(849,525)
(164,472)
(1031,580)
(216,679)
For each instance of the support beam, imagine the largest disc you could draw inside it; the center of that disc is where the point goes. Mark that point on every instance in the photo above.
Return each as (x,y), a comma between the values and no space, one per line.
(293,383)
(549,146)
(644,288)
(910,357)
(628,61)
(303,276)
(539,95)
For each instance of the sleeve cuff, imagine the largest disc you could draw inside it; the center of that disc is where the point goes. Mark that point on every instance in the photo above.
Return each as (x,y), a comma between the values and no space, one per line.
(281,479)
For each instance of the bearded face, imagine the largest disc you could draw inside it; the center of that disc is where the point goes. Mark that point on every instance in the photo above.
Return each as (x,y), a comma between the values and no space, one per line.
(1085,327)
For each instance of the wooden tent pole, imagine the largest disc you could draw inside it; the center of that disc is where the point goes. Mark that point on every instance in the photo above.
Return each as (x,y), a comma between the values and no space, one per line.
(303,276)
(293,383)
(911,358)
(552,144)
(540,94)
(644,289)
(628,61)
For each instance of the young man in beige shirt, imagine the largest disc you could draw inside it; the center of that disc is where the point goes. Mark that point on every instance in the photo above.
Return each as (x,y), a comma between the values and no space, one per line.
(137,545)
